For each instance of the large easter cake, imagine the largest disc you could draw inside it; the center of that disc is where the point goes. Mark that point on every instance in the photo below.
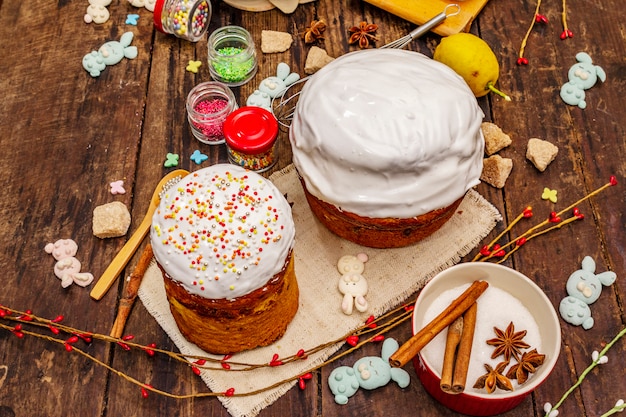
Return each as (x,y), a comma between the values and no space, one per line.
(223,238)
(387,143)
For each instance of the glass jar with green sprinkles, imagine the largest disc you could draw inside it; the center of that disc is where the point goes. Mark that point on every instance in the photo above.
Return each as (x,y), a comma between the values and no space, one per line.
(232,55)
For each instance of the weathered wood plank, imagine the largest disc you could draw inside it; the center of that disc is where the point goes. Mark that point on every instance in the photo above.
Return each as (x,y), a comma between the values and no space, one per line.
(65,136)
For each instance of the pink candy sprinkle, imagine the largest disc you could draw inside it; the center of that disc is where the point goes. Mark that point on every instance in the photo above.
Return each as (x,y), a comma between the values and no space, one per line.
(211,106)
(211,128)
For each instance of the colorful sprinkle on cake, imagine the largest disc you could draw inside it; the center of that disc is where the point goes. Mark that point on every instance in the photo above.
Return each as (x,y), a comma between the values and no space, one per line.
(222,231)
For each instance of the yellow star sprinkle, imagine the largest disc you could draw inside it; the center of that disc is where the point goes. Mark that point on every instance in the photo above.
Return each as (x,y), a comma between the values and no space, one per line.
(193,66)
(549,194)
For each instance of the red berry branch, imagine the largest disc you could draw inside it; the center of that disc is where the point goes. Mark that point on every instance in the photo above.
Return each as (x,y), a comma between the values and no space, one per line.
(52,330)
(542,19)
(553,222)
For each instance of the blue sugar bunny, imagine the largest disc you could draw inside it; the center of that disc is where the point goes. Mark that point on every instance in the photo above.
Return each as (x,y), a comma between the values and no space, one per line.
(110,53)
(582,76)
(583,288)
(272,87)
(368,373)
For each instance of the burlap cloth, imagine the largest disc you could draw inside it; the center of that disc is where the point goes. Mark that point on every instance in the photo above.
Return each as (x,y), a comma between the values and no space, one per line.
(392,275)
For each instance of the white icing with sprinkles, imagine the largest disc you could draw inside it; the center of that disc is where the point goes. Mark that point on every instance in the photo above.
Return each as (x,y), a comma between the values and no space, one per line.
(387,133)
(222,231)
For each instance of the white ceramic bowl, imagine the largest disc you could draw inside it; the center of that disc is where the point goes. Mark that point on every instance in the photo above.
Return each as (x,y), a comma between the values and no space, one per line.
(530,296)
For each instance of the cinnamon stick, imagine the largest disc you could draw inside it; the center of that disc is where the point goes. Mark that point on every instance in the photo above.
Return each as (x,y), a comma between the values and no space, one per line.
(453,339)
(130,292)
(464,351)
(412,347)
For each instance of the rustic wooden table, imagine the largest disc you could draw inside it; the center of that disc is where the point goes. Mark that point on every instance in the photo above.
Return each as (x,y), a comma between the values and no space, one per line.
(65,136)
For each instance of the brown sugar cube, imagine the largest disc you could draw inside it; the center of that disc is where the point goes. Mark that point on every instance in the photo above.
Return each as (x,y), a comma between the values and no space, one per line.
(496,170)
(495,138)
(110,220)
(273,41)
(316,59)
(541,153)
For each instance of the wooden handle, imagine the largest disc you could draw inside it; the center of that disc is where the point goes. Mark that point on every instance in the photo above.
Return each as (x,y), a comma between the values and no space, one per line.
(419,12)
(128,250)
(121,259)
(130,292)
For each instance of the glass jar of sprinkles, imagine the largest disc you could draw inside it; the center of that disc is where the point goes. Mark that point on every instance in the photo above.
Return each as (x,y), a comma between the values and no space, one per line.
(250,134)
(186,19)
(232,55)
(208,105)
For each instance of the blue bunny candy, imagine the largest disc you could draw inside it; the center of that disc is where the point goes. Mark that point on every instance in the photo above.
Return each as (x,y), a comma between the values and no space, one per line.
(272,87)
(110,53)
(369,373)
(582,76)
(583,288)
(343,383)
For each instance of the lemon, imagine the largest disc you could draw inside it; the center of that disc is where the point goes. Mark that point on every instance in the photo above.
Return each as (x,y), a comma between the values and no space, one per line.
(471,58)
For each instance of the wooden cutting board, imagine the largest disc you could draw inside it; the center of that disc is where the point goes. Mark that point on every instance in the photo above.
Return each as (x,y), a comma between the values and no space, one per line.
(264,5)
(420,11)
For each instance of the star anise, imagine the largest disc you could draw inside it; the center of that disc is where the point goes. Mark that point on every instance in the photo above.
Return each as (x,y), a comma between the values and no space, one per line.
(494,379)
(508,343)
(528,364)
(363,34)
(315,31)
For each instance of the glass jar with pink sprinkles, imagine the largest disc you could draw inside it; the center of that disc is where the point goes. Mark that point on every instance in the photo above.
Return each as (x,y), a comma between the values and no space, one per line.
(208,105)
(185,19)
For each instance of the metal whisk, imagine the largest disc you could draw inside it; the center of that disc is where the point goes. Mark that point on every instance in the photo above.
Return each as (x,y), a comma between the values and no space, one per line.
(419,31)
(286,106)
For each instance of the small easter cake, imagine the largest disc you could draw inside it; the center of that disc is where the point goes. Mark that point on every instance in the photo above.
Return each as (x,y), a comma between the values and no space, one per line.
(387,143)
(223,238)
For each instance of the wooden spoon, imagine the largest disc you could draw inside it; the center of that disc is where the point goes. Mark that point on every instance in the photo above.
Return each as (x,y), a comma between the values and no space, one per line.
(128,250)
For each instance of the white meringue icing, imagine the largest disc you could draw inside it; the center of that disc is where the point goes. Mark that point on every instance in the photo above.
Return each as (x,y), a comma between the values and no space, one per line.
(387,133)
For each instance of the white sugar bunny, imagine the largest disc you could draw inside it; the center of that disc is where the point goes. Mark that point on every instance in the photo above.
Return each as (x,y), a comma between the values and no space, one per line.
(97,11)
(148,4)
(272,87)
(67,268)
(352,284)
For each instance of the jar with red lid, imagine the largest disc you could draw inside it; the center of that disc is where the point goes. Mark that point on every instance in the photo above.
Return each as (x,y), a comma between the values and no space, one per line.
(185,19)
(250,134)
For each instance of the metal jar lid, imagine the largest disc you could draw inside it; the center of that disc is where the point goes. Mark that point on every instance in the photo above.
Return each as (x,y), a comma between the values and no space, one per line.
(250,130)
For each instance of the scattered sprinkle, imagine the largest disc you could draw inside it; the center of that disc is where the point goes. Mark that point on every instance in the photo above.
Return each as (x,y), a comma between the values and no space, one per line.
(193,66)
(131,19)
(171,160)
(198,157)
(549,194)
(117,187)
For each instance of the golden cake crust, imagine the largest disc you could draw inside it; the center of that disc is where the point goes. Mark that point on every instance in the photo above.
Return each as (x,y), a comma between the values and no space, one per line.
(378,233)
(228,326)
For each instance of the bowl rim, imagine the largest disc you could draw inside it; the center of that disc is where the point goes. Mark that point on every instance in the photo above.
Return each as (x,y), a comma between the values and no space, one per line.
(552,356)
